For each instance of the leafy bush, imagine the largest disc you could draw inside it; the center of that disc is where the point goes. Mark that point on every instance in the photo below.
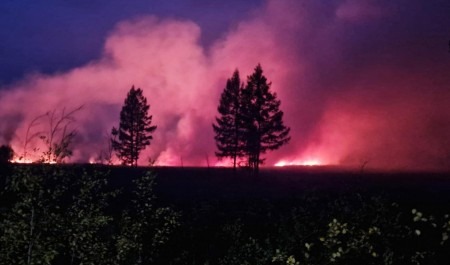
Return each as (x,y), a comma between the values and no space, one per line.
(57,215)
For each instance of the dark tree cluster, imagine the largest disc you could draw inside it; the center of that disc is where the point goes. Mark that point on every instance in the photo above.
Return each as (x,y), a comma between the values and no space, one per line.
(250,121)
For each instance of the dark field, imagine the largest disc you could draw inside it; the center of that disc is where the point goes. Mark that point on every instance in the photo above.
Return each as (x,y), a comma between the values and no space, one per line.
(184,186)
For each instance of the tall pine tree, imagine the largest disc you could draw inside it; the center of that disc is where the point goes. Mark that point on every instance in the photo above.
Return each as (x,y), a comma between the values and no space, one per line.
(262,119)
(228,127)
(135,130)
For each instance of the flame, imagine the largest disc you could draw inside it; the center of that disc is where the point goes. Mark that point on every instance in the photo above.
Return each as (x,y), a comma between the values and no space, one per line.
(313,162)
(28,160)
(22,161)
(227,162)
(307,162)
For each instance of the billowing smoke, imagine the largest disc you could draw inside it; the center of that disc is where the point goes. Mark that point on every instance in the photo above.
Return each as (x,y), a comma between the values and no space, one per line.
(360,81)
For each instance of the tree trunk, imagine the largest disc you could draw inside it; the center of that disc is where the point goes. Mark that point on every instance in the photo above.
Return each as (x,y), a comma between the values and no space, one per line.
(30,240)
(234,162)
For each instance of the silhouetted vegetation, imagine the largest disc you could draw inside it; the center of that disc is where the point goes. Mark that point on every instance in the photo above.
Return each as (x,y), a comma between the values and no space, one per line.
(51,214)
(55,130)
(134,132)
(263,120)
(229,127)
(251,122)
(59,137)
(6,154)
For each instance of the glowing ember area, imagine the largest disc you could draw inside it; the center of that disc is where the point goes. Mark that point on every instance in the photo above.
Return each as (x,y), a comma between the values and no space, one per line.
(312,163)
(224,163)
(309,162)
(30,161)
(96,161)
(22,161)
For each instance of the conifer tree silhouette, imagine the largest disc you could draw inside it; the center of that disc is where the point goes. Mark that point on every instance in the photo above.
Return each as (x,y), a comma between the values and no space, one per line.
(135,130)
(263,128)
(228,126)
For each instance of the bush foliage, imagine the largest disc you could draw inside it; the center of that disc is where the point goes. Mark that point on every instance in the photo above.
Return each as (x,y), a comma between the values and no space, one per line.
(57,215)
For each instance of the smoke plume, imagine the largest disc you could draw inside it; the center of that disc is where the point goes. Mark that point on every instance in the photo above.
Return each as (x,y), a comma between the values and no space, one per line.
(359,81)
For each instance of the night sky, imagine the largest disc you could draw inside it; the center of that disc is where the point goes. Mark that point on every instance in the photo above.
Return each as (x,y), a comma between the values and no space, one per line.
(359,80)
(51,36)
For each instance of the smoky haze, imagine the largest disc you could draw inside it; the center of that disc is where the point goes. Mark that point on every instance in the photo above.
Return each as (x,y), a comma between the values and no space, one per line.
(359,81)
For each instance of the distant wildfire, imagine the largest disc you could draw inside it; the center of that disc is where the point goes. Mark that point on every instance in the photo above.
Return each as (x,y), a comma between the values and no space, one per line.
(354,87)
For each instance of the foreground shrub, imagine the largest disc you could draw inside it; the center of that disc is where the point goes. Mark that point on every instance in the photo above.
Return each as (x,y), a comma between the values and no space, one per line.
(58,215)
(144,227)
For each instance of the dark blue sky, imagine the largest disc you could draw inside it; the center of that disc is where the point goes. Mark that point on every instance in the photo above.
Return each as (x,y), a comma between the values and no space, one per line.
(56,35)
